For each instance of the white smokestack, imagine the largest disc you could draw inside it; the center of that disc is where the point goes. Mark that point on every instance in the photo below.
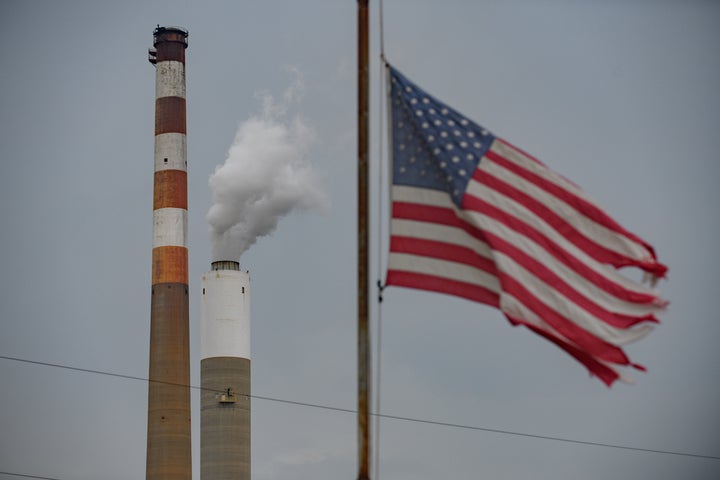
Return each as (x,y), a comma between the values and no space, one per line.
(225,372)
(265,177)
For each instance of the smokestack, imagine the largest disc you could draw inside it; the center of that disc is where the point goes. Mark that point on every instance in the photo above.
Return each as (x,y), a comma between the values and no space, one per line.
(225,373)
(168,437)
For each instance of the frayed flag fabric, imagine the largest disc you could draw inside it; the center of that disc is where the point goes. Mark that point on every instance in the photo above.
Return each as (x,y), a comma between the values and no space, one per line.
(476,217)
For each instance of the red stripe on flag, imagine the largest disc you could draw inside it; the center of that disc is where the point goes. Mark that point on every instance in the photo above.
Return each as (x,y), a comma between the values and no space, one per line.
(442,285)
(564,228)
(523,152)
(585,207)
(566,327)
(441,250)
(602,371)
(438,215)
(426,213)
(559,253)
(560,285)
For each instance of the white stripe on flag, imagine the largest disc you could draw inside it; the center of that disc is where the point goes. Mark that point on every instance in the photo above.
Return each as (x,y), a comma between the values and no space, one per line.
(513,307)
(594,231)
(578,282)
(443,269)
(520,159)
(515,209)
(566,308)
(423,196)
(439,233)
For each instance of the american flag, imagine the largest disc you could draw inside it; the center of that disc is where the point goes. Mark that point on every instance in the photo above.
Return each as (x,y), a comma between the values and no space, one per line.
(475,217)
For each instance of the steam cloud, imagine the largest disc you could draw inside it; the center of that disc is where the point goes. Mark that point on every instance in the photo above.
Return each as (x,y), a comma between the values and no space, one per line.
(265,177)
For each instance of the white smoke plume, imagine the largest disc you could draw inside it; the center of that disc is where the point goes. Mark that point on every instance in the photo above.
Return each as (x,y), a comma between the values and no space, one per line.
(265,177)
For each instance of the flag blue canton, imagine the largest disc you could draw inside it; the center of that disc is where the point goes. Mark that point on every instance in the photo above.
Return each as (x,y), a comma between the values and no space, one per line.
(434,146)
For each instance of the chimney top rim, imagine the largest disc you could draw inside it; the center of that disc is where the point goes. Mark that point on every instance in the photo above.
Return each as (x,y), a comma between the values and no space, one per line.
(225,265)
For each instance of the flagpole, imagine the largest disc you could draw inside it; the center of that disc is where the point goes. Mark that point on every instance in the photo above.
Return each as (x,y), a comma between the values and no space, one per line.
(363,211)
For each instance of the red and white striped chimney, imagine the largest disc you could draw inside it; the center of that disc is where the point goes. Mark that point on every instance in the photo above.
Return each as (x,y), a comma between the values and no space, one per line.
(168,437)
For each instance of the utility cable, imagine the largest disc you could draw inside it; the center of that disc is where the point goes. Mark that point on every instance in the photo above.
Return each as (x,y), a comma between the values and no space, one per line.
(548,437)
(381,236)
(390,417)
(28,476)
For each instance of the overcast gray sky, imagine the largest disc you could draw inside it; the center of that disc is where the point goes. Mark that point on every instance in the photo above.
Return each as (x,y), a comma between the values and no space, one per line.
(619,96)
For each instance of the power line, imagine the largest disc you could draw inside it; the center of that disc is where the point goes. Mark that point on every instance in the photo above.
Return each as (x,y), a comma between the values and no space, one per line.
(28,476)
(547,437)
(387,416)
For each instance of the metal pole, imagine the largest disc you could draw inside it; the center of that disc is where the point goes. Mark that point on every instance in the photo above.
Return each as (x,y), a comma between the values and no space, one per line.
(363,210)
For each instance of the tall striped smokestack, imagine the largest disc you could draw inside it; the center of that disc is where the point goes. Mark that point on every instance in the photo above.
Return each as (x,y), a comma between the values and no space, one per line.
(168,437)
(225,373)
